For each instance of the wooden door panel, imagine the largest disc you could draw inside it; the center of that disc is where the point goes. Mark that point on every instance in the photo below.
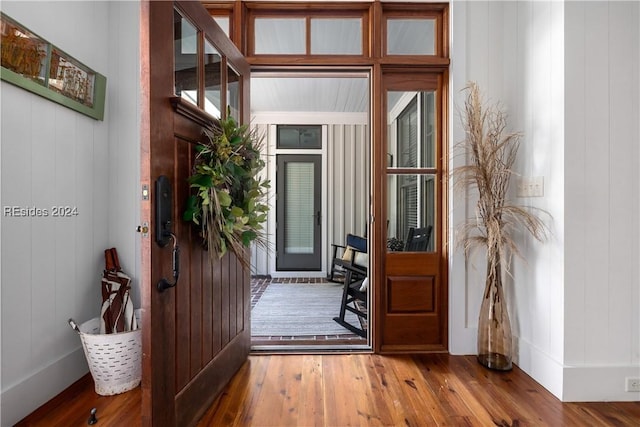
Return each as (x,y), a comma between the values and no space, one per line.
(224,303)
(195,335)
(412,305)
(197,378)
(411,264)
(412,332)
(184,288)
(411,294)
(412,316)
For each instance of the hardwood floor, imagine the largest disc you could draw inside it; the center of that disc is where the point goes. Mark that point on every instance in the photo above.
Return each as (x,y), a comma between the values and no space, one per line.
(358,390)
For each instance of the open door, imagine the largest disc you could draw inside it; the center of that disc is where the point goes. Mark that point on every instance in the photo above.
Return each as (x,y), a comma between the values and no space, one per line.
(196,334)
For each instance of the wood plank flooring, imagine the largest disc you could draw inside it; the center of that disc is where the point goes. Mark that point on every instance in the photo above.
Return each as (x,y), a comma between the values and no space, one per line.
(359,390)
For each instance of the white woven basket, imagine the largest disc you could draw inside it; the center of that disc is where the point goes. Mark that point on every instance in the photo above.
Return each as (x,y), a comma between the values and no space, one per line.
(115,360)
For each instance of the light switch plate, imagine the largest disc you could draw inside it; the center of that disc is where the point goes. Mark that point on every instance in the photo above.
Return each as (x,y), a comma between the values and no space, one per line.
(530,186)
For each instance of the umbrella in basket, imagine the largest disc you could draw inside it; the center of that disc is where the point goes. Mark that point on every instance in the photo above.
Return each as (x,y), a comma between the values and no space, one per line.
(117,314)
(112,343)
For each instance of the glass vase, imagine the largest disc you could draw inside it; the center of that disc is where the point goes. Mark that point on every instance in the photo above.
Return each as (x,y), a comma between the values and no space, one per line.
(495,349)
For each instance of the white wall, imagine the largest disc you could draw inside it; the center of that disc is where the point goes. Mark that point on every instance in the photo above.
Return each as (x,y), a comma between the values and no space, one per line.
(513,50)
(52,155)
(602,268)
(567,74)
(124,137)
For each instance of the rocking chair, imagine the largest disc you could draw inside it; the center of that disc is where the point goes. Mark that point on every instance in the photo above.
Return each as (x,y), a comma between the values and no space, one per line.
(353,293)
(352,254)
(418,239)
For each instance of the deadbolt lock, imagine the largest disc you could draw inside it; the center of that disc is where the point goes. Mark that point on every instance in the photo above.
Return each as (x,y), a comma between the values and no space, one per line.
(144,229)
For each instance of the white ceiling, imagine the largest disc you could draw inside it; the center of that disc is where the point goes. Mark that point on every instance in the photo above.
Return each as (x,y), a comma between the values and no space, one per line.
(305,93)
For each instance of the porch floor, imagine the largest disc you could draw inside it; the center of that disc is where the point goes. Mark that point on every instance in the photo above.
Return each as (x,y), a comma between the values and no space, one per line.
(259,285)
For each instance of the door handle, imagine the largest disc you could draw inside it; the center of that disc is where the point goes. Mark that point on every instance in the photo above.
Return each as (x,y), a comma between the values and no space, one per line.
(164,284)
(164,206)
(318,217)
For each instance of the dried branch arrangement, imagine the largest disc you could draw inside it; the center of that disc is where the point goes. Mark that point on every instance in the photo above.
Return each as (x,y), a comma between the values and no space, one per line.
(491,153)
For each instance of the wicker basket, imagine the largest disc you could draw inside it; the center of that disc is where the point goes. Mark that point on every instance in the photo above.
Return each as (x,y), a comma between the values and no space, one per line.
(115,360)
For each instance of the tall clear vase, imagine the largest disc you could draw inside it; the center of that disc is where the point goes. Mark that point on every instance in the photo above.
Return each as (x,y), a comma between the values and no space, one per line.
(495,350)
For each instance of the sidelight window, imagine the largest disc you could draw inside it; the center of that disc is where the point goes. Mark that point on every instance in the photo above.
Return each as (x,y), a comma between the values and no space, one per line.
(411,177)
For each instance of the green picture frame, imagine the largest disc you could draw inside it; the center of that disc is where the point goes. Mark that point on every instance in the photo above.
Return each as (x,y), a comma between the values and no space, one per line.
(32,63)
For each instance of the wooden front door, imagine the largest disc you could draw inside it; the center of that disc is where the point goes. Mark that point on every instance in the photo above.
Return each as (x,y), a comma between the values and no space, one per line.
(412,305)
(196,335)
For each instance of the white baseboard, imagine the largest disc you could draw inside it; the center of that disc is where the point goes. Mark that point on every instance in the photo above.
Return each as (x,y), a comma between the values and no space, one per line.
(586,383)
(599,383)
(462,341)
(540,366)
(19,400)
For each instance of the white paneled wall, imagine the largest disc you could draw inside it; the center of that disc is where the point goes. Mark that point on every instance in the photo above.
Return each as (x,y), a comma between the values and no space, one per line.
(513,50)
(567,73)
(124,138)
(53,156)
(348,183)
(602,280)
(262,256)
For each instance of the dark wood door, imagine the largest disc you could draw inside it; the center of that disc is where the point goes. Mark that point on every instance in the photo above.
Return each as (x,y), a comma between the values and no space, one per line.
(196,335)
(412,295)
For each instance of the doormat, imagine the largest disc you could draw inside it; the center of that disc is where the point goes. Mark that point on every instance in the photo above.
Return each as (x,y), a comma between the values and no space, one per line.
(297,309)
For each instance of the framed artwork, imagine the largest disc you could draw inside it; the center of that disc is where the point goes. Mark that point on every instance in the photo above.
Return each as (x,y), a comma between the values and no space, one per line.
(32,63)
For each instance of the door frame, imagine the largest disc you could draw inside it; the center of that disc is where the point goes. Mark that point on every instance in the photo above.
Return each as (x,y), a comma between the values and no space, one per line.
(405,323)
(272,120)
(374,55)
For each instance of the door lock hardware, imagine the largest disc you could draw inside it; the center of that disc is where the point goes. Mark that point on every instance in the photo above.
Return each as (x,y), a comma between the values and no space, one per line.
(163,226)
(144,229)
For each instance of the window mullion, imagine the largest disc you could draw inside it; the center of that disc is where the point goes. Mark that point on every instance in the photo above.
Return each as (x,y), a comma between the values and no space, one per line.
(308,34)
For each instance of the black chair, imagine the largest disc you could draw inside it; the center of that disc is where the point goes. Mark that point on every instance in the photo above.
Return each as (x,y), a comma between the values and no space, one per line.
(346,255)
(418,239)
(352,294)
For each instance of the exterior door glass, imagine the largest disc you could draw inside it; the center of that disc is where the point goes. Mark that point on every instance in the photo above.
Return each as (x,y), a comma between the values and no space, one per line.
(299,208)
(186,59)
(410,204)
(212,80)
(233,93)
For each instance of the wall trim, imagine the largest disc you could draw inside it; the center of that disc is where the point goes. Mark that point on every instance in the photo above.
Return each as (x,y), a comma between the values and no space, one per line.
(19,400)
(307,118)
(539,365)
(598,383)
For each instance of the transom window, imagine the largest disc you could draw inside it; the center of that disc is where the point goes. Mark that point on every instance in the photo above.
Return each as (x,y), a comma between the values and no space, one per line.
(307,35)
(316,29)
(403,32)
(299,136)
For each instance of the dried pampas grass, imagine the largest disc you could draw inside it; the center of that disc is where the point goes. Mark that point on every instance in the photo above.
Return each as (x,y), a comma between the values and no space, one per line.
(491,153)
